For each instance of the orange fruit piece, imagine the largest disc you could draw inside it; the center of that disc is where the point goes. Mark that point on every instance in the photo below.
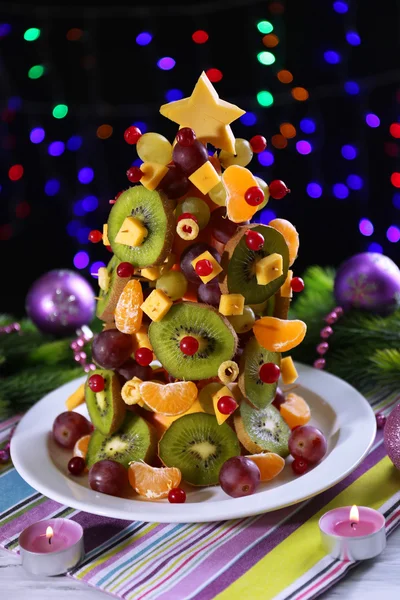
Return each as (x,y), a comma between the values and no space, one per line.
(295,410)
(170,398)
(279,335)
(153,482)
(237,180)
(269,463)
(290,234)
(81,446)
(162,422)
(128,314)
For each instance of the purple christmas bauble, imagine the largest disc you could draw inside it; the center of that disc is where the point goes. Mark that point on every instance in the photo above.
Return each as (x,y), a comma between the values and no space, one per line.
(368,281)
(60,302)
(391,436)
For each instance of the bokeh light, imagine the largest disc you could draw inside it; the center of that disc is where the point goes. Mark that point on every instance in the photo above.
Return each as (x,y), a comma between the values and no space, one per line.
(94,268)
(104,131)
(265,27)
(78,209)
(307,126)
(353,38)
(83,235)
(248,119)
(166,63)
(340,191)
(214,75)
(5,29)
(314,190)
(15,172)
(266,158)
(56,148)
(86,175)
(352,88)
(60,111)
(200,36)
(137,162)
(332,57)
(271,40)
(90,203)
(354,182)
(14,103)
(73,228)
(31,34)
(395,179)
(52,187)
(396,200)
(266,215)
(22,210)
(285,76)
(303,147)
(391,149)
(141,125)
(265,98)
(144,38)
(81,260)
(349,152)
(393,234)
(6,230)
(375,247)
(173,95)
(300,94)
(278,141)
(366,227)
(74,143)
(340,7)
(288,130)
(36,72)
(266,58)
(74,34)
(372,120)
(37,135)
(394,130)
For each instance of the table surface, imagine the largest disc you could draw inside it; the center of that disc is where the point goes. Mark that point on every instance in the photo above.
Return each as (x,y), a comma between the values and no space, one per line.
(378,578)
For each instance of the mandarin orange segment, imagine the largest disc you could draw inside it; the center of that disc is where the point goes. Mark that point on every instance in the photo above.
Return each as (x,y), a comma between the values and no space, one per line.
(170,398)
(295,411)
(269,463)
(153,482)
(290,234)
(81,446)
(162,422)
(279,335)
(237,181)
(128,314)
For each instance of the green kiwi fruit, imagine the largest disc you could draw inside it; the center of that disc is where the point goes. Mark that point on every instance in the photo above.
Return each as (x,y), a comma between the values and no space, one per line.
(239,263)
(135,440)
(257,392)
(106,409)
(156,214)
(216,336)
(198,446)
(108,299)
(262,430)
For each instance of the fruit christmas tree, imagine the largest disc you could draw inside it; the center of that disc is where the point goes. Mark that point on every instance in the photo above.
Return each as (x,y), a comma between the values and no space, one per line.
(195,306)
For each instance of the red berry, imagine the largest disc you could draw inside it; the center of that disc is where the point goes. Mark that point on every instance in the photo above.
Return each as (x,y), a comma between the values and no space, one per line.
(277,189)
(269,373)
(109,248)
(118,195)
(176,496)
(134,174)
(258,143)
(95,236)
(254,240)
(227,405)
(254,196)
(132,135)
(204,267)
(76,465)
(299,466)
(189,345)
(187,216)
(297,284)
(125,269)
(143,356)
(112,201)
(96,383)
(185,137)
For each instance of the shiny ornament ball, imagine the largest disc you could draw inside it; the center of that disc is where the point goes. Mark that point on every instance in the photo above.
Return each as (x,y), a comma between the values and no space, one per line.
(368,281)
(60,301)
(391,436)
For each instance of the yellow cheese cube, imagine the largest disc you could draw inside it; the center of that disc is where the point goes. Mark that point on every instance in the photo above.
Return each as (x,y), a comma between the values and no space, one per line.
(205,178)
(216,266)
(131,233)
(77,398)
(224,391)
(286,290)
(269,268)
(156,305)
(288,370)
(150,273)
(153,173)
(231,304)
(141,339)
(106,241)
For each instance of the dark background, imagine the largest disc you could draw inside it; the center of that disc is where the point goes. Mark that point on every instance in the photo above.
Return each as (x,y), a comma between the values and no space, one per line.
(106,78)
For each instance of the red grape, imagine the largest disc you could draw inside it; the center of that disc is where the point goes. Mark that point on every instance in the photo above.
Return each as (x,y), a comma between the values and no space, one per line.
(192,252)
(108,477)
(190,158)
(68,427)
(175,183)
(299,466)
(258,143)
(221,227)
(277,189)
(239,476)
(176,496)
(209,293)
(111,348)
(131,369)
(185,136)
(279,398)
(307,442)
(76,465)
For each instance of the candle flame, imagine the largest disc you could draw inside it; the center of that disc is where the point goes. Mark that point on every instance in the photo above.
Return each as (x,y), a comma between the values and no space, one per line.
(49,533)
(354,514)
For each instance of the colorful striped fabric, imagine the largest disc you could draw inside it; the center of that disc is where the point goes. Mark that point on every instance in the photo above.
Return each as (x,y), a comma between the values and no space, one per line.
(262,557)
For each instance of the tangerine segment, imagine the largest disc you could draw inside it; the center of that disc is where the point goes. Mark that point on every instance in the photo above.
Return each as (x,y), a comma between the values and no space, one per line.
(237,181)
(169,399)
(153,482)
(269,463)
(162,422)
(290,234)
(295,411)
(81,446)
(128,314)
(279,335)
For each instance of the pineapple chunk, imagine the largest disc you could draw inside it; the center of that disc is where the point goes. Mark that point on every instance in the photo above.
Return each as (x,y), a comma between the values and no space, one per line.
(231,304)
(156,305)
(288,370)
(141,339)
(103,279)
(132,232)
(286,290)
(205,178)
(77,398)
(269,268)
(106,241)
(216,267)
(224,391)
(153,173)
(130,392)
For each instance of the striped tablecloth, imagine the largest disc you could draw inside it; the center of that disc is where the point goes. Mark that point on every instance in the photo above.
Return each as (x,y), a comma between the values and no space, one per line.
(272,556)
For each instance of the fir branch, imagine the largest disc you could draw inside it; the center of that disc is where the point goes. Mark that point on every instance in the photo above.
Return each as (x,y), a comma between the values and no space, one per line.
(52,353)
(387,367)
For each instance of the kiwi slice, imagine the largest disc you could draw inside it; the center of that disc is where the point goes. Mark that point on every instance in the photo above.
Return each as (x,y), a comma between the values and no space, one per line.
(262,430)
(106,409)
(108,299)
(155,212)
(136,440)
(216,336)
(198,446)
(257,392)
(239,264)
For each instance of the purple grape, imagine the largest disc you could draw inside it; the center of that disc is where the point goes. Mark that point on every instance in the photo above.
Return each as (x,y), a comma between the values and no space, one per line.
(279,398)
(239,476)
(175,183)
(189,254)
(108,477)
(131,369)
(68,427)
(111,348)
(190,158)
(221,227)
(307,442)
(209,293)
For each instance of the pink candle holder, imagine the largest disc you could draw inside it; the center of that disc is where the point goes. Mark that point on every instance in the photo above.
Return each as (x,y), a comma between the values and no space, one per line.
(51,547)
(353,533)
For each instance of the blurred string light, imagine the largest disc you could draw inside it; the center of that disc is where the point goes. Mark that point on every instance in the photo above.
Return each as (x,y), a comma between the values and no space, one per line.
(354,182)
(214,75)
(340,191)
(352,88)
(86,175)
(81,260)
(248,119)
(60,111)
(5,29)
(375,247)
(74,143)
(266,158)
(265,98)
(303,147)
(265,27)
(340,7)
(141,125)
(37,135)
(73,228)
(31,34)
(393,234)
(396,200)
(90,203)
(36,72)
(22,210)
(104,131)
(166,63)
(52,187)
(366,227)
(314,190)
(266,58)
(174,94)
(332,57)
(144,38)
(288,130)
(394,130)
(74,34)
(267,215)
(395,179)
(307,126)
(16,172)
(372,120)
(279,141)
(200,36)
(94,268)
(271,40)
(56,148)
(353,38)
(285,76)
(300,94)
(349,152)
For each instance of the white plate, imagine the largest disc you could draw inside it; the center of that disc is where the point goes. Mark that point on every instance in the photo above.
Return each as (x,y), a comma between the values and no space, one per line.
(338,410)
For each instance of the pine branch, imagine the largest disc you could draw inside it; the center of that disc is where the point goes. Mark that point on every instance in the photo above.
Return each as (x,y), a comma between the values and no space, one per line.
(387,367)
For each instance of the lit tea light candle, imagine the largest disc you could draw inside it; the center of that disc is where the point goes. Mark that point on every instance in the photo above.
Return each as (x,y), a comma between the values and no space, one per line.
(353,533)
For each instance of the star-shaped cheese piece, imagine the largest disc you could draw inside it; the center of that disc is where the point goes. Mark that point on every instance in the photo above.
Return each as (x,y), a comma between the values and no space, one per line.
(206,114)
